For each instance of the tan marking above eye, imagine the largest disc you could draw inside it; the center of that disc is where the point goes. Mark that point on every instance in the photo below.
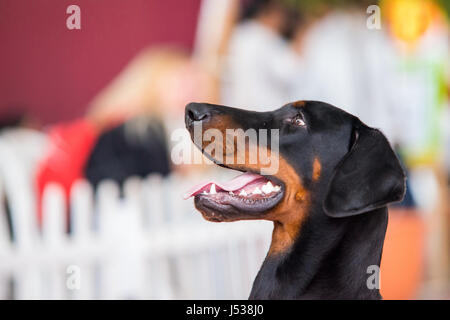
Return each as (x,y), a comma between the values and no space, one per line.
(299,104)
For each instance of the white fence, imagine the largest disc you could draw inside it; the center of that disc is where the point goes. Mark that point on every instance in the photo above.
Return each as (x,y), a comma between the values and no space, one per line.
(148,243)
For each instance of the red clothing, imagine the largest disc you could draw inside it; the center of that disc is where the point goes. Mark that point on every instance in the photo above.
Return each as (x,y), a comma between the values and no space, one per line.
(70,147)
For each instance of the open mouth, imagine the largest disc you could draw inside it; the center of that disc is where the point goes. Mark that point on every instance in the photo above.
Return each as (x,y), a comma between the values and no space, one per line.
(243,197)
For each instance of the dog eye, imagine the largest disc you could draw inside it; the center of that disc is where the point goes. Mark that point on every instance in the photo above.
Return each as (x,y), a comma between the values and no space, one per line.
(298,122)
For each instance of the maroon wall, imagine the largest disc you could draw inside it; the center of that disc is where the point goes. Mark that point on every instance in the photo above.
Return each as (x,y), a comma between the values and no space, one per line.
(54,72)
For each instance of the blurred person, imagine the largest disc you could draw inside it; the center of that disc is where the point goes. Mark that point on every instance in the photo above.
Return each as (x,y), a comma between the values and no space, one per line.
(138,147)
(260,64)
(62,162)
(124,131)
(348,65)
(380,75)
(157,82)
(129,113)
(330,55)
(156,85)
(420,34)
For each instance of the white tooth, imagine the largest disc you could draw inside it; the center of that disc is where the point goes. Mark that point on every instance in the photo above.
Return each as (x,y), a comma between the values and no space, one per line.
(231,193)
(213,189)
(257,191)
(267,188)
(243,193)
(204,192)
(276,188)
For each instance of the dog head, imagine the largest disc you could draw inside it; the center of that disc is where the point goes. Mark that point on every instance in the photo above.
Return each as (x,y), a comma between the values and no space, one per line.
(318,155)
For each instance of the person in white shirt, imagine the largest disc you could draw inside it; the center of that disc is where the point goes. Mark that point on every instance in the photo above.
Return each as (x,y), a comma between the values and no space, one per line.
(261,65)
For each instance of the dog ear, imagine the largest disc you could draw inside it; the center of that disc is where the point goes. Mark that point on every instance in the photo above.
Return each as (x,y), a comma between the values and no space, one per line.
(368,177)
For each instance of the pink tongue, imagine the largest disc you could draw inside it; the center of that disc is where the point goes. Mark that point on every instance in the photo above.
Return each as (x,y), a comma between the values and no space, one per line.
(232,185)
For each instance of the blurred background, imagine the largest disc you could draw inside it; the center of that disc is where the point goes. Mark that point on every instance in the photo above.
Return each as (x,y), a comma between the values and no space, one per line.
(90,98)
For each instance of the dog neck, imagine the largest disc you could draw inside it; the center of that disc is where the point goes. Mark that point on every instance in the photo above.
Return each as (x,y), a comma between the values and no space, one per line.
(330,259)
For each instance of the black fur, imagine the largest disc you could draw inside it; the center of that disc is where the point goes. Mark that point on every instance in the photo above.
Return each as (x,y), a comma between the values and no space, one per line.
(346,222)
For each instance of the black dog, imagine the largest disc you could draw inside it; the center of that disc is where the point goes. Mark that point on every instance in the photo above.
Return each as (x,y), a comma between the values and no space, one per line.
(327,201)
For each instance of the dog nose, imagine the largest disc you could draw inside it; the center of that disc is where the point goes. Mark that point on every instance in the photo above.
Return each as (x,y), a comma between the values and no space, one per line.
(196,112)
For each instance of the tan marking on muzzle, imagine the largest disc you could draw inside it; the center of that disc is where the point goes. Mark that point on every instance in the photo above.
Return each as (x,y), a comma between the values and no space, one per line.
(290,213)
(317,168)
